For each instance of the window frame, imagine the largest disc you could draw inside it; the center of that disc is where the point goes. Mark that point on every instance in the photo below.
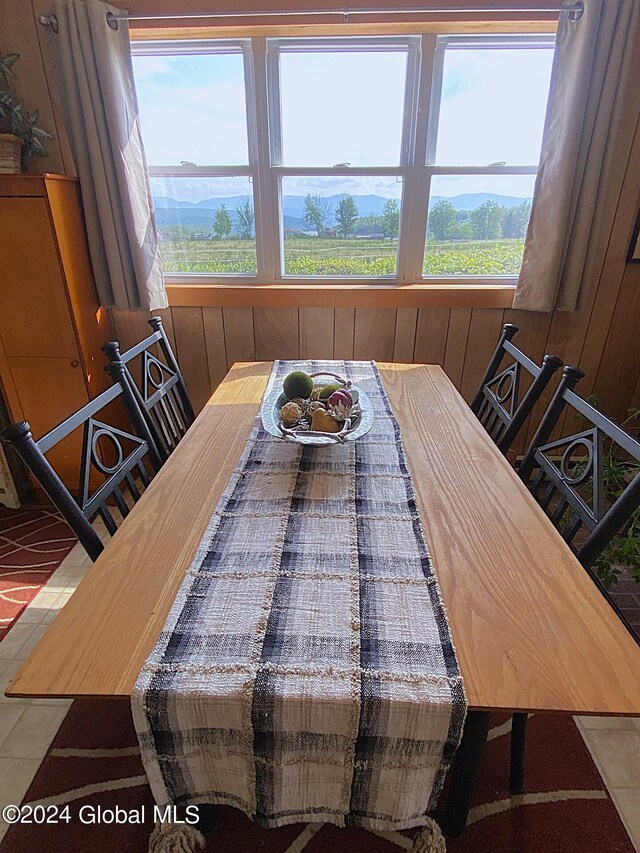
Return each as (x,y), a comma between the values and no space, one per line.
(469,42)
(423,87)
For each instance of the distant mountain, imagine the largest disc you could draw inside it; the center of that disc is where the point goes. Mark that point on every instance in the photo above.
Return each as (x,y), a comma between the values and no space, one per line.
(231,202)
(163,201)
(171,212)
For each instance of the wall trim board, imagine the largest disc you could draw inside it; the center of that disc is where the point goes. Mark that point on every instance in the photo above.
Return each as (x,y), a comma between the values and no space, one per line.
(327,295)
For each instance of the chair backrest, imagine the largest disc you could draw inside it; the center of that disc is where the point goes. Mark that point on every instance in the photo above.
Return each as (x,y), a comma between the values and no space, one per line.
(161,392)
(124,475)
(568,476)
(497,404)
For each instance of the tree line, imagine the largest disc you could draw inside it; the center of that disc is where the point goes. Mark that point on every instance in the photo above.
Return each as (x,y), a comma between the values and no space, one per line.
(489,221)
(223,226)
(318,216)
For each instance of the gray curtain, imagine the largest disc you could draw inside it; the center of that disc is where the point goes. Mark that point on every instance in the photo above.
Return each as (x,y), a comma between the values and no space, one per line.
(95,80)
(577,186)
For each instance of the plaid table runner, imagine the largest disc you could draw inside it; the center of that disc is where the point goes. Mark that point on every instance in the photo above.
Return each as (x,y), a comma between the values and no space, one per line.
(306,671)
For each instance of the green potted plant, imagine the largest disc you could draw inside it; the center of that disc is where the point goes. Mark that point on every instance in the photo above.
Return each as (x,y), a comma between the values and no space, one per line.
(20,136)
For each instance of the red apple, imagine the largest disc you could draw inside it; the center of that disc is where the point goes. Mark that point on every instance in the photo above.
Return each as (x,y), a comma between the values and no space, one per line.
(341,396)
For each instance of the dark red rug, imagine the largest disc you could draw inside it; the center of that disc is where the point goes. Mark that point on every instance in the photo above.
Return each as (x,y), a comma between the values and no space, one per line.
(94,763)
(33,543)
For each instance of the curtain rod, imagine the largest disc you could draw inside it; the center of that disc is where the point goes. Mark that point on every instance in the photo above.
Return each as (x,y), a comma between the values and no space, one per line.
(575,9)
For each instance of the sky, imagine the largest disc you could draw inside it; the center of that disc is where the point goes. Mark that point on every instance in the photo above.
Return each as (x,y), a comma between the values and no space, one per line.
(345,107)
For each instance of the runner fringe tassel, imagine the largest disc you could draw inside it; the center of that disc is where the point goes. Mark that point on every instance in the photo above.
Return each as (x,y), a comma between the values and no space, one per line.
(429,840)
(175,838)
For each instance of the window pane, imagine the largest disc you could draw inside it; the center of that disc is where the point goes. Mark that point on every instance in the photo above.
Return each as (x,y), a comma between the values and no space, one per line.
(477,224)
(493,106)
(192,109)
(205,225)
(340,226)
(342,107)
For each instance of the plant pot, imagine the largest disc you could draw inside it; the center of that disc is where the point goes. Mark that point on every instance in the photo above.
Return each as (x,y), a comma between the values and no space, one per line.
(10,148)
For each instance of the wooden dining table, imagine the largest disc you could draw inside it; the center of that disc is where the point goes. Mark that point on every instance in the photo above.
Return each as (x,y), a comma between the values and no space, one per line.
(532,631)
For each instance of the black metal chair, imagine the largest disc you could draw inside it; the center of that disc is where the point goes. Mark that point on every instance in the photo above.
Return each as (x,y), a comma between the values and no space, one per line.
(566,477)
(122,464)
(497,404)
(161,394)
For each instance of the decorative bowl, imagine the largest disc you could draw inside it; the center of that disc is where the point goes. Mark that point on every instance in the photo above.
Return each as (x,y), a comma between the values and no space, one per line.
(275,398)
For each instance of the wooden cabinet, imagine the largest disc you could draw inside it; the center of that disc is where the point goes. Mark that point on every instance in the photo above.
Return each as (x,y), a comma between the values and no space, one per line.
(51,325)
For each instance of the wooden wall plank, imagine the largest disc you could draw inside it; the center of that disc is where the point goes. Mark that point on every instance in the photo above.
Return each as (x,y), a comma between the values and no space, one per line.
(374,334)
(531,338)
(191,350)
(45,57)
(405,335)
(634,402)
(431,335)
(484,331)
(344,327)
(456,350)
(239,335)
(276,333)
(621,363)
(19,30)
(316,332)
(167,322)
(582,338)
(130,327)
(214,339)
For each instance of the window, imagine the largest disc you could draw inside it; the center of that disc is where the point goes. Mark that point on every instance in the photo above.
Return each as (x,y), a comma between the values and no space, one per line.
(404,158)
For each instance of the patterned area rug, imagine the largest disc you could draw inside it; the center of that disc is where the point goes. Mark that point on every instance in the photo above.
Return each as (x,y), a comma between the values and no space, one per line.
(94,763)
(33,543)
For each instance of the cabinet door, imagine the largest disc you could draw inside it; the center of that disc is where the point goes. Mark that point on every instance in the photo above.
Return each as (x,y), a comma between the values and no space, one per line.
(48,391)
(35,316)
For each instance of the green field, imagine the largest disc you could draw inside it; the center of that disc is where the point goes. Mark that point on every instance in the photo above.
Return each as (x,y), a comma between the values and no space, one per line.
(336,257)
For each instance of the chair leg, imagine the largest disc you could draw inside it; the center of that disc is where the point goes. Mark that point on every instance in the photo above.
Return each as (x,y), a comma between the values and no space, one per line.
(518,737)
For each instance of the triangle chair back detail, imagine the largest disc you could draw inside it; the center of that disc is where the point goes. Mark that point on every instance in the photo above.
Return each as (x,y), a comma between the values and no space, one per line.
(567,478)
(122,468)
(497,405)
(161,392)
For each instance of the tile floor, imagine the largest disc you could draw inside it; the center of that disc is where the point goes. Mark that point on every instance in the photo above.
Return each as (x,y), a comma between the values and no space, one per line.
(27,726)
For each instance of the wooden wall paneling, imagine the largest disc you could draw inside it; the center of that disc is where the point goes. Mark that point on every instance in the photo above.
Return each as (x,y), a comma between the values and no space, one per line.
(43,7)
(344,326)
(533,331)
(634,402)
(431,335)
(316,332)
(457,335)
(624,183)
(129,327)
(238,335)
(19,29)
(620,365)
(565,339)
(375,333)
(167,323)
(484,332)
(276,333)
(191,351)
(215,343)
(582,338)
(405,335)
(531,338)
